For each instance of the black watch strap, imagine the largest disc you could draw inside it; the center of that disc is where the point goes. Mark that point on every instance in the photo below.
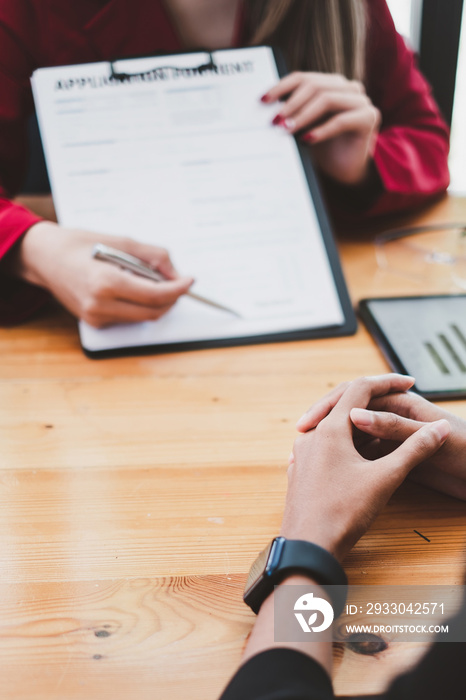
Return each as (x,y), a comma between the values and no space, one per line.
(316,560)
(308,559)
(320,565)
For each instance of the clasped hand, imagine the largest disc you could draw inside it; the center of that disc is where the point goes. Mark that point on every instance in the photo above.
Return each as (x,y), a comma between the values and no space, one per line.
(356,450)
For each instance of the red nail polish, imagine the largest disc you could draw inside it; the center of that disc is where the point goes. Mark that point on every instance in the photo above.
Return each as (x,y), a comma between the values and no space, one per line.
(309,137)
(264,98)
(278,120)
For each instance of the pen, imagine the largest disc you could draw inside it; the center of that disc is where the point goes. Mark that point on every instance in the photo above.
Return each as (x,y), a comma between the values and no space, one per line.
(133,264)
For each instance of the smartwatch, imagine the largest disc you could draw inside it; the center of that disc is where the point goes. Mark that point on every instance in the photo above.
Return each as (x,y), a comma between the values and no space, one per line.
(283,558)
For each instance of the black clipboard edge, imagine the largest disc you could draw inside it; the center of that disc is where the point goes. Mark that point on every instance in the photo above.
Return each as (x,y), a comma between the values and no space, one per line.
(306,334)
(386,348)
(349,325)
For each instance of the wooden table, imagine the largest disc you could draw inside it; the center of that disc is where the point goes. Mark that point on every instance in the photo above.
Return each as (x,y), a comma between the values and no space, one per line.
(135,493)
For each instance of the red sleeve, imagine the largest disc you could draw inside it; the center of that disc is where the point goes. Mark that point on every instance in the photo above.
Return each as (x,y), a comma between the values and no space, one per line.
(17,47)
(411,155)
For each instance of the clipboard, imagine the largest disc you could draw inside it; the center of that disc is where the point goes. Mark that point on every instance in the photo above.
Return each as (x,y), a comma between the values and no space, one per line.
(424,336)
(67,97)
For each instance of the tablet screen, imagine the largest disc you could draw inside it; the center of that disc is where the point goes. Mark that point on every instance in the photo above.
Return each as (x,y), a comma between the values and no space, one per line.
(427,335)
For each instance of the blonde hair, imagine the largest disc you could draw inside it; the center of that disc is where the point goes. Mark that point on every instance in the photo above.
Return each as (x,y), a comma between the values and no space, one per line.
(328,36)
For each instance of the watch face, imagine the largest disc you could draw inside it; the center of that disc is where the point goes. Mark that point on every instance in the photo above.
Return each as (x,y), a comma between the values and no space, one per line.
(258,568)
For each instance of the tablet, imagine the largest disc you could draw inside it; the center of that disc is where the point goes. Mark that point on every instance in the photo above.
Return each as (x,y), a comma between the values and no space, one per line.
(424,337)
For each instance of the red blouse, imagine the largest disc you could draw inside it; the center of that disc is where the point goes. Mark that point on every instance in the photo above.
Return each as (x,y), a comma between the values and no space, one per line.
(411,152)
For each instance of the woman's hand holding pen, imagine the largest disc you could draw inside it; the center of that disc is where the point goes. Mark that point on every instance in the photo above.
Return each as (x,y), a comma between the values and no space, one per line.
(61,261)
(335,116)
(390,418)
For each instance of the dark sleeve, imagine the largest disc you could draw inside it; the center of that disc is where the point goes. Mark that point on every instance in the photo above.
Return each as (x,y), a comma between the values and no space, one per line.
(280,674)
(411,152)
(440,674)
(285,674)
(18,35)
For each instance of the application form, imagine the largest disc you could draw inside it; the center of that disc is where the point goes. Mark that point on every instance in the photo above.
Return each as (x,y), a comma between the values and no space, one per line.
(189,160)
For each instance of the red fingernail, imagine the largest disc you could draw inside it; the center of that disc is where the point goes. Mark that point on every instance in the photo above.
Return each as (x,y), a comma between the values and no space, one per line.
(278,120)
(265,98)
(289,124)
(309,137)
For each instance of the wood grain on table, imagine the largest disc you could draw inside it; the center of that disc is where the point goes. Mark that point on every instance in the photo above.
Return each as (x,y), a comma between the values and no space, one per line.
(136,492)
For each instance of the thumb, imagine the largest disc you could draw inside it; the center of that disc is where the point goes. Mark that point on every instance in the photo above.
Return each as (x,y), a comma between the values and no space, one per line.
(417,448)
(386,426)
